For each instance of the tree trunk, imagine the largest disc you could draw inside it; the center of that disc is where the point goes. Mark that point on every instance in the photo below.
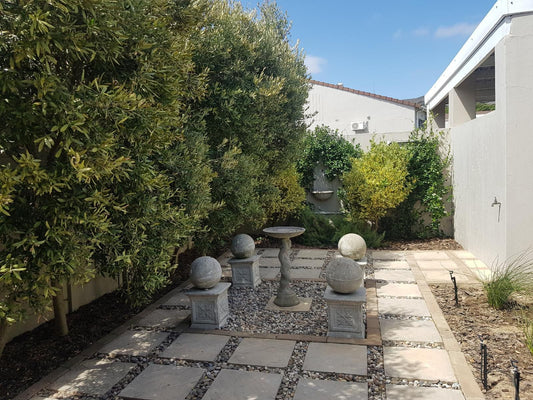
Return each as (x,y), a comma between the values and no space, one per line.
(60,315)
(3,335)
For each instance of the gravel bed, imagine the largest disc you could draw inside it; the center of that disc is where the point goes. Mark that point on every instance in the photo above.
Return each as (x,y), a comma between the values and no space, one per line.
(417,345)
(248,313)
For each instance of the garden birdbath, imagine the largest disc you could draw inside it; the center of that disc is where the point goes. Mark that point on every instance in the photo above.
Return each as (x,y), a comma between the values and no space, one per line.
(286,296)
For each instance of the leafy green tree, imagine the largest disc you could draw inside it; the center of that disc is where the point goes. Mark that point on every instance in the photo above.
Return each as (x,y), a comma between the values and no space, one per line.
(256,91)
(99,148)
(327,147)
(378,182)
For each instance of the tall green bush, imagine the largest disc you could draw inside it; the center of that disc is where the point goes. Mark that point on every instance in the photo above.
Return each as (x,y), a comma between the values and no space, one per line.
(377,182)
(256,91)
(97,144)
(327,147)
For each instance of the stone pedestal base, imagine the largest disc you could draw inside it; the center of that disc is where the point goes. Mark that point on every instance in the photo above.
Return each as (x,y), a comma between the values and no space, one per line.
(210,308)
(245,271)
(345,313)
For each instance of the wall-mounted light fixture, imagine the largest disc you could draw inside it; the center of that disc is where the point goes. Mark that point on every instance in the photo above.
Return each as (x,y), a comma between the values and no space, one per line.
(497,203)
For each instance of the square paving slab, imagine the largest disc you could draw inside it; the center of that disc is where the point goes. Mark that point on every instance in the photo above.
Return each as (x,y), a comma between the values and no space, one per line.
(269,262)
(378,264)
(463,254)
(394,275)
(94,377)
(443,276)
(163,382)
(268,273)
(428,364)
(164,318)
(388,255)
(134,343)
(438,265)
(243,385)
(266,352)
(333,357)
(196,346)
(407,307)
(304,262)
(312,253)
(409,330)
(398,289)
(179,299)
(475,264)
(305,273)
(401,392)
(315,389)
(268,253)
(431,255)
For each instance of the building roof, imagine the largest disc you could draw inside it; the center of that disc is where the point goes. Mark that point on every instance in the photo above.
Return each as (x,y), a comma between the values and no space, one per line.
(375,96)
(478,48)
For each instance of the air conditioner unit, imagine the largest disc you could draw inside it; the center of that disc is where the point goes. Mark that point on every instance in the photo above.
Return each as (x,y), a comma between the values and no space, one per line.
(359,126)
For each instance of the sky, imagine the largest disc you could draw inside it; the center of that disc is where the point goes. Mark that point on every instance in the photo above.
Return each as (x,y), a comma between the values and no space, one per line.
(395,48)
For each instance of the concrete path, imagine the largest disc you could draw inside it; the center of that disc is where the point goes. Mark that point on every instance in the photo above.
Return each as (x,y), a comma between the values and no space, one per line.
(409,351)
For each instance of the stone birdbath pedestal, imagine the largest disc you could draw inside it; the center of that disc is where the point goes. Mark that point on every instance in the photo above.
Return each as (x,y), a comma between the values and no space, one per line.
(286,296)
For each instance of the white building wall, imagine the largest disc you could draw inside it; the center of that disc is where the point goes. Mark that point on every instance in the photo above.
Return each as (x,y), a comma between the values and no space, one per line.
(338,108)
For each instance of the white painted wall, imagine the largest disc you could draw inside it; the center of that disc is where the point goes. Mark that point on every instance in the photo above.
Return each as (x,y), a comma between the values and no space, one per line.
(338,108)
(493,157)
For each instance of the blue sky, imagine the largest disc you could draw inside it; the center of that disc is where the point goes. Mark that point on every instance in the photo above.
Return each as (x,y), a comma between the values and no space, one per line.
(392,48)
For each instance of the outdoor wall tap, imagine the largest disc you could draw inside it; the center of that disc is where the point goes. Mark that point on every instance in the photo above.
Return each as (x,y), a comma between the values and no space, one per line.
(497,203)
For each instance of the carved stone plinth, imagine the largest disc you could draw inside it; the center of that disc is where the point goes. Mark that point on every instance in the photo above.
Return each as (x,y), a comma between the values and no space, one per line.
(345,313)
(210,308)
(245,271)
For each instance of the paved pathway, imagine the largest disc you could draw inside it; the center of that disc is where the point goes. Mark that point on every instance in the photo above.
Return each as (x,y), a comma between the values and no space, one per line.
(155,356)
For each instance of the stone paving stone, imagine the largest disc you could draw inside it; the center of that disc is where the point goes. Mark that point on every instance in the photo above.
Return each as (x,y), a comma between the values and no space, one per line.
(164,318)
(443,276)
(378,264)
(463,254)
(305,273)
(134,343)
(474,264)
(333,357)
(427,364)
(196,346)
(436,265)
(405,307)
(266,352)
(312,253)
(179,299)
(92,377)
(431,255)
(397,289)
(403,392)
(243,385)
(163,382)
(269,262)
(394,275)
(388,255)
(266,253)
(315,389)
(305,262)
(409,330)
(268,273)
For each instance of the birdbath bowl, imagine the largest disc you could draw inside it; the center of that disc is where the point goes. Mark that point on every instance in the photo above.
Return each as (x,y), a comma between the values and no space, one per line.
(286,296)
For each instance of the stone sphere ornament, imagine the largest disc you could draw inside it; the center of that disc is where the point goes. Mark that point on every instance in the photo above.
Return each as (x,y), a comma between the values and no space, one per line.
(242,246)
(352,246)
(205,272)
(344,275)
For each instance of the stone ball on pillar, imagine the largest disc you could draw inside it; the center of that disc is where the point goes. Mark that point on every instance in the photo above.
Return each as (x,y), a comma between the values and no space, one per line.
(242,246)
(344,275)
(205,272)
(352,246)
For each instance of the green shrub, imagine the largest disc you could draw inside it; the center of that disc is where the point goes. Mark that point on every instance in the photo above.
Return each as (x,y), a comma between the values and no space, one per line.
(511,277)
(528,333)
(327,147)
(377,182)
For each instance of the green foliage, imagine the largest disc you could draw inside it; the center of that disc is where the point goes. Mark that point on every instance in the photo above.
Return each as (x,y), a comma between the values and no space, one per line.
(97,145)
(328,148)
(527,324)
(429,161)
(287,198)
(485,107)
(511,277)
(325,231)
(256,91)
(377,183)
